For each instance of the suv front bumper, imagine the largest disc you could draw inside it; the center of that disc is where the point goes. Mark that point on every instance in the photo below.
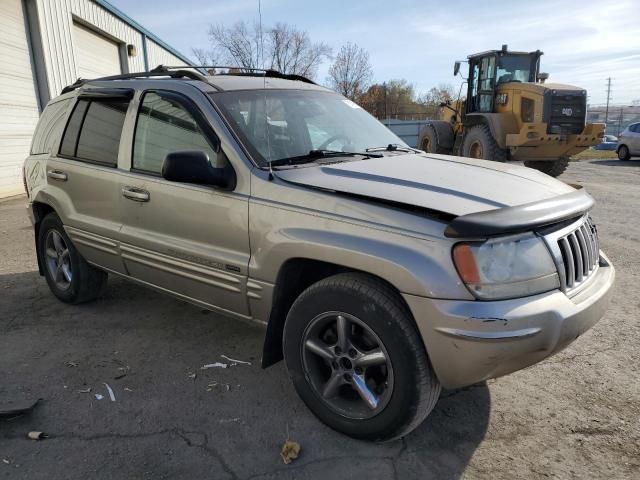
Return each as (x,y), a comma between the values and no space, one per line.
(472,341)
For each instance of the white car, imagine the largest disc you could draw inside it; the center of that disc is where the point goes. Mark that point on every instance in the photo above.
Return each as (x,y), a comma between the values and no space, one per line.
(629,142)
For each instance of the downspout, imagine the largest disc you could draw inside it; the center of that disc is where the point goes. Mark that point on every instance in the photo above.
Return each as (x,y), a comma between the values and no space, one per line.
(145,54)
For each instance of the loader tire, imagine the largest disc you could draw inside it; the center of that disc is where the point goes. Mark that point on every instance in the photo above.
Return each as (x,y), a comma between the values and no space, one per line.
(428,141)
(554,168)
(479,143)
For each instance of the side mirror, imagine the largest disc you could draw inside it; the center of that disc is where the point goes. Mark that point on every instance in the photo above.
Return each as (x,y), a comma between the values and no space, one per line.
(194,167)
(542,77)
(456,68)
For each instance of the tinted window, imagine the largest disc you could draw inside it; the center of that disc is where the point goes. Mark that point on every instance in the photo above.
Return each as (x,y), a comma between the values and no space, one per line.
(49,127)
(635,128)
(93,131)
(164,126)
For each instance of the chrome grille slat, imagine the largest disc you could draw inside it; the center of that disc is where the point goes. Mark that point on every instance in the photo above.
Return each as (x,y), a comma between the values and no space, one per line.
(586,266)
(577,252)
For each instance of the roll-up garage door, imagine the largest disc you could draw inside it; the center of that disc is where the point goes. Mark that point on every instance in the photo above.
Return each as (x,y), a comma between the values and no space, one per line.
(18,100)
(97,55)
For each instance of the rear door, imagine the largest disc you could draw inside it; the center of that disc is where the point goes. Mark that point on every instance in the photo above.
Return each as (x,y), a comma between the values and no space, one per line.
(84,181)
(188,239)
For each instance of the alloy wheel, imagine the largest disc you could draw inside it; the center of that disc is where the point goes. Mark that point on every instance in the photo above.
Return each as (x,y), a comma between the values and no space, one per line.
(58,260)
(347,365)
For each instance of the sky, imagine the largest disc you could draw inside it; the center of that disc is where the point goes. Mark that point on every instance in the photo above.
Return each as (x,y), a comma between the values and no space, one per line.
(584,41)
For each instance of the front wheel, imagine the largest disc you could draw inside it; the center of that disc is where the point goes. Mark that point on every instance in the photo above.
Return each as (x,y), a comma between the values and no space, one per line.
(623,153)
(357,360)
(479,143)
(554,168)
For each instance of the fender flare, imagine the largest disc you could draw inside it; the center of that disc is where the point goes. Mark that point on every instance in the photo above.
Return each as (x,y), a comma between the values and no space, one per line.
(500,125)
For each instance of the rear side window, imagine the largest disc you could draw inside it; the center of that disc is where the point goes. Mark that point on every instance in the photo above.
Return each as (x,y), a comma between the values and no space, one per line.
(166,125)
(93,131)
(49,127)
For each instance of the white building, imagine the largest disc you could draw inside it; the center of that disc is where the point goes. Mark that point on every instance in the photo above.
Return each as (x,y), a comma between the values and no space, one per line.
(48,44)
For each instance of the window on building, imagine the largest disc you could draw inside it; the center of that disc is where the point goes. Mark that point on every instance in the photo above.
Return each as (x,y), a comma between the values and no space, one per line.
(94,129)
(164,126)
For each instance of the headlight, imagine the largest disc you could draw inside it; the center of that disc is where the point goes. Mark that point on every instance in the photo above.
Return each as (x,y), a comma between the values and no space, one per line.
(506,267)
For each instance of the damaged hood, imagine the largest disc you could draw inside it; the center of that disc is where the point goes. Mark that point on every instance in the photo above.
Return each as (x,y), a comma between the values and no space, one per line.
(454,185)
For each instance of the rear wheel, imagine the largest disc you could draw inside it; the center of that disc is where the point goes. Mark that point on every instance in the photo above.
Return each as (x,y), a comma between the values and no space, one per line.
(356,359)
(69,276)
(623,153)
(479,143)
(554,168)
(429,141)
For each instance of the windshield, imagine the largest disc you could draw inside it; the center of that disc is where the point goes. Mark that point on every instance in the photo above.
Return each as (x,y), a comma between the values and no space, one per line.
(514,68)
(278,124)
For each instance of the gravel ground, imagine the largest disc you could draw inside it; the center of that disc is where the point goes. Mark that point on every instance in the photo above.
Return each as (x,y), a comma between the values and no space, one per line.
(575,415)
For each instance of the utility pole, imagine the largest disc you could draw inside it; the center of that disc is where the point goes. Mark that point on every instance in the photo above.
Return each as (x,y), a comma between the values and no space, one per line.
(606,112)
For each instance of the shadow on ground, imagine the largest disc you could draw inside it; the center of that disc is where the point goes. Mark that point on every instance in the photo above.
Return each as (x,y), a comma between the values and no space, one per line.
(617,163)
(224,423)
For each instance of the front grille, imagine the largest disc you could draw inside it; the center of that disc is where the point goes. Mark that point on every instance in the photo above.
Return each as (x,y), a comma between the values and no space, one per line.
(567,113)
(580,251)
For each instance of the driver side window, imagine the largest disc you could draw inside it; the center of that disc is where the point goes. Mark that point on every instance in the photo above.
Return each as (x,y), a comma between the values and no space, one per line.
(164,126)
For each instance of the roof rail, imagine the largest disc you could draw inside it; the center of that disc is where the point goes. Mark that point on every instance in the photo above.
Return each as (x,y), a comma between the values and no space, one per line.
(159,71)
(242,71)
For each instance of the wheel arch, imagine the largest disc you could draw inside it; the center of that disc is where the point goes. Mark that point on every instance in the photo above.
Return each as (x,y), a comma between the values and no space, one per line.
(39,210)
(301,273)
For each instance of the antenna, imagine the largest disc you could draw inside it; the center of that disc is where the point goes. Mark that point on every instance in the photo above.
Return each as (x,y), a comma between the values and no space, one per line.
(261,41)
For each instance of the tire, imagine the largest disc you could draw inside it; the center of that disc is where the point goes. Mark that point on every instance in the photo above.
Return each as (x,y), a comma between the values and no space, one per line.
(479,143)
(552,168)
(408,388)
(428,141)
(623,153)
(77,281)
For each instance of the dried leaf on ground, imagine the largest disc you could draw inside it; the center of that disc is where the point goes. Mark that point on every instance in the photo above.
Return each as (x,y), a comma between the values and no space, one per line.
(290,451)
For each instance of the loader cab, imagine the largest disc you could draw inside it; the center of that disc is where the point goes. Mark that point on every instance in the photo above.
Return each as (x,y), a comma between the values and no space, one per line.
(488,70)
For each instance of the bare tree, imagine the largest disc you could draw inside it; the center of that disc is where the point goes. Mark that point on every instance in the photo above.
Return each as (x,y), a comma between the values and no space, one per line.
(286,48)
(351,71)
(205,57)
(292,51)
(238,44)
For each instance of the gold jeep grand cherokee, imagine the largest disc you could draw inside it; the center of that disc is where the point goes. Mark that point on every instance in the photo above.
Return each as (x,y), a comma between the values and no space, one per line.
(380,272)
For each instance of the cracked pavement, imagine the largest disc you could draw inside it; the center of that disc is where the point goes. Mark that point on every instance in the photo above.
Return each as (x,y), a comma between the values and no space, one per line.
(575,415)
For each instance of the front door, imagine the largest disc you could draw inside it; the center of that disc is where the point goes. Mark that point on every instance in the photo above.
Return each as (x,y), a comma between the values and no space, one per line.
(188,239)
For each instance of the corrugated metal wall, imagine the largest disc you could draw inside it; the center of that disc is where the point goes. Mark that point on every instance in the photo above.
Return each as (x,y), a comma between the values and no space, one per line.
(55,22)
(160,56)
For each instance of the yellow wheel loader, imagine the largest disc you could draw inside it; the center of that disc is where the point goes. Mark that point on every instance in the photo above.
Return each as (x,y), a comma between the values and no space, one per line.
(510,113)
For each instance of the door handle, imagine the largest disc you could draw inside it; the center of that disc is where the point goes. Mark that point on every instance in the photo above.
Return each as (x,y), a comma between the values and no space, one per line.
(135,194)
(57,175)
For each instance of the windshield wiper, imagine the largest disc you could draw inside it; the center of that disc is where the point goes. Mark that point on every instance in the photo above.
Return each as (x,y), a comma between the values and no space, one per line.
(313,155)
(393,147)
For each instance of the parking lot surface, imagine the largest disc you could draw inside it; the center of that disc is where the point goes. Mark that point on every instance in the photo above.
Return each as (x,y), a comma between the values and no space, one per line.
(576,415)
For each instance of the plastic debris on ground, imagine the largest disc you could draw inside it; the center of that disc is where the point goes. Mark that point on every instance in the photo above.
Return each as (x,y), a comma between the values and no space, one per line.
(234,361)
(290,451)
(112,397)
(36,435)
(214,365)
(98,396)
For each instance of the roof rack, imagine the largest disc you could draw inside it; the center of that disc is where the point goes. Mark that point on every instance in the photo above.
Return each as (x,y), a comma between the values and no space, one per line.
(159,71)
(242,71)
(184,71)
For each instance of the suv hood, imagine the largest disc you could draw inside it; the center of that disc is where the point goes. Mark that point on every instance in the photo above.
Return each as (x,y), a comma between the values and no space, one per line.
(453,185)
